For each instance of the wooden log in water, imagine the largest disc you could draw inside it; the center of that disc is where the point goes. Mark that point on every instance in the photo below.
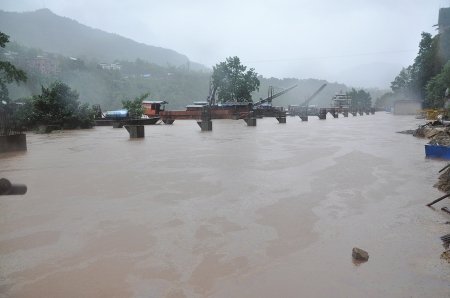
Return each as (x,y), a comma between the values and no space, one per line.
(444,168)
(439,199)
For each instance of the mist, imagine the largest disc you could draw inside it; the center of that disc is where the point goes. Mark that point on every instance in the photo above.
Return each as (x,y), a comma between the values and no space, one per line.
(335,41)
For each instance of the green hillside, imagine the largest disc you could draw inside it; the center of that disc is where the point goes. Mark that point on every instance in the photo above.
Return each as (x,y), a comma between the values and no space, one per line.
(107,87)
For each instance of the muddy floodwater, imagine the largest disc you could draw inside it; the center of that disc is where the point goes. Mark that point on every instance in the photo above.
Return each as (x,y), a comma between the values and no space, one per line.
(266,211)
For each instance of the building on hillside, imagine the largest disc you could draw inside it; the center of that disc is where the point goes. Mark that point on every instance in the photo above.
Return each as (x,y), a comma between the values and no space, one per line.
(43,65)
(407,107)
(110,66)
(9,55)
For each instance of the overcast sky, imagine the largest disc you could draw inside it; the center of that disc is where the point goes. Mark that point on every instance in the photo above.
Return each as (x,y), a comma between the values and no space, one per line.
(358,42)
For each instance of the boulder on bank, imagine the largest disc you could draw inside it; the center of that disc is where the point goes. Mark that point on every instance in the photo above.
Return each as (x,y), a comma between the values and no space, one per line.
(430,129)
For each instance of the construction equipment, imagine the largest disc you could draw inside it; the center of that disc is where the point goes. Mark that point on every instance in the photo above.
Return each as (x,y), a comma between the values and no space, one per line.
(271,96)
(264,108)
(211,99)
(308,100)
(303,110)
(97,111)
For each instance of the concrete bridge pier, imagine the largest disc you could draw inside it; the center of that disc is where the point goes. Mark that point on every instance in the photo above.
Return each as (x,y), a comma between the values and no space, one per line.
(236,116)
(168,121)
(334,113)
(135,131)
(281,119)
(10,143)
(117,124)
(205,122)
(322,114)
(205,125)
(250,121)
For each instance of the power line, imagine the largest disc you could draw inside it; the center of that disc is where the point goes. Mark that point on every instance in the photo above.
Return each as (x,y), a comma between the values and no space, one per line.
(331,57)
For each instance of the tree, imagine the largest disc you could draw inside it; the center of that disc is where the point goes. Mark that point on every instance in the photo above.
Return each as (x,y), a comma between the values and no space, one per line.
(411,81)
(233,82)
(134,107)
(8,72)
(436,88)
(427,64)
(85,116)
(58,105)
(360,99)
(386,101)
(402,83)
(24,114)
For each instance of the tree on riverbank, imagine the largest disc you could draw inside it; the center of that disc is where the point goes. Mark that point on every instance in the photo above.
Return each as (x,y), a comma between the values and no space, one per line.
(8,72)
(419,81)
(56,105)
(360,99)
(437,86)
(233,82)
(412,80)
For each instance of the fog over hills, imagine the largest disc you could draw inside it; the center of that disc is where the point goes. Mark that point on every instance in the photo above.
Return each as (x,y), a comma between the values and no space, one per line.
(373,74)
(52,33)
(44,30)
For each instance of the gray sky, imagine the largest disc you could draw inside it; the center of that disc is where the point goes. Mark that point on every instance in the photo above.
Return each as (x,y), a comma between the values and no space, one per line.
(361,43)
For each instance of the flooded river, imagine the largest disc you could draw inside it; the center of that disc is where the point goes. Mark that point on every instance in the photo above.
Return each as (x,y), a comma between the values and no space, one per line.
(266,211)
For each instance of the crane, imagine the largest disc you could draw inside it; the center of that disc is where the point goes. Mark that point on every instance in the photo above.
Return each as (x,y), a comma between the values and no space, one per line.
(308,100)
(272,96)
(303,110)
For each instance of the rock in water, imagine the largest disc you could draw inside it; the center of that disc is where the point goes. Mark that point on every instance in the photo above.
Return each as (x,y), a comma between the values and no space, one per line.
(360,254)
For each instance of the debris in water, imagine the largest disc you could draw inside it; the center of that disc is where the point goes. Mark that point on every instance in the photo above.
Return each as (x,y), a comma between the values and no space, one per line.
(446,255)
(446,240)
(438,185)
(407,132)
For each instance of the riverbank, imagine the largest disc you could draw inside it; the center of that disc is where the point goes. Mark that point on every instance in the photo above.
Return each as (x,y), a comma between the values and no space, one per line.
(438,134)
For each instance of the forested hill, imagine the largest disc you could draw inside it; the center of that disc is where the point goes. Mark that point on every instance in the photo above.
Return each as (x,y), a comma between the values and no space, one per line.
(55,34)
(108,87)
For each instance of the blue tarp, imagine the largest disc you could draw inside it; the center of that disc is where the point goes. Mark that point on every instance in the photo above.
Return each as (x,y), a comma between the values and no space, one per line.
(437,151)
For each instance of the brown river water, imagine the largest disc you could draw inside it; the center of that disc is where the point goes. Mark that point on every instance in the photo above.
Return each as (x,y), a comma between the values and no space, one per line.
(266,211)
